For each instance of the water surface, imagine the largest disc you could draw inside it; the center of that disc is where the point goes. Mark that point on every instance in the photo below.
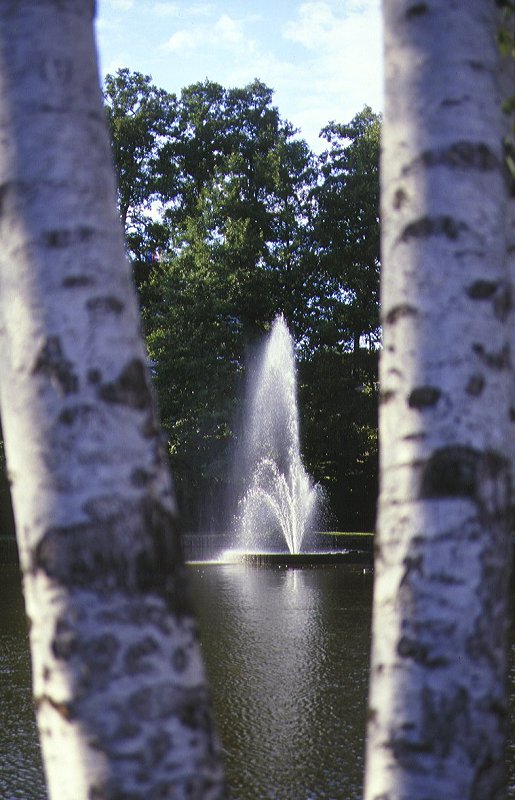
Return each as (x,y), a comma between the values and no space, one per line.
(286,652)
(21,772)
(287,658)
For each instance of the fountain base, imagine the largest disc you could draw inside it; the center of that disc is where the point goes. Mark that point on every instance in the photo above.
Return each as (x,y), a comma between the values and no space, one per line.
(302,559)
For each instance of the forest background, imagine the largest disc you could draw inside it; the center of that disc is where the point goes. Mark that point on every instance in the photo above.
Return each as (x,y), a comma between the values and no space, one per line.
(231,219)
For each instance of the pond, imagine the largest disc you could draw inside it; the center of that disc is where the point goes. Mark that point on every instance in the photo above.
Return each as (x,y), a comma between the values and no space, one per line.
(287,657)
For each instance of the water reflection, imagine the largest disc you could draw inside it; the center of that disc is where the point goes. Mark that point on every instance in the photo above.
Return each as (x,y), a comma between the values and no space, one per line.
(21,771)
(288,659)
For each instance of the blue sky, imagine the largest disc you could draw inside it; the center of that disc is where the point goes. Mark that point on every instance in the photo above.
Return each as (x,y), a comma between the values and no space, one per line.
(322,58)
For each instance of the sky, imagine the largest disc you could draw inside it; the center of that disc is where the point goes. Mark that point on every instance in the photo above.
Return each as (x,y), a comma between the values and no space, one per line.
(322,58)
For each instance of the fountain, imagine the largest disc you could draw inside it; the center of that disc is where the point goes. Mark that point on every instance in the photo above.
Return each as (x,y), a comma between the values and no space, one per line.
(279,502)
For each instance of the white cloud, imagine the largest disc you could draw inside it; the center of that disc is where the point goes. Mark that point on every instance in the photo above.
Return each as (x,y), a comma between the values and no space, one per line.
(184,41)
(226,32)
(315,25)
(229,30)
(343,65)
(318,26)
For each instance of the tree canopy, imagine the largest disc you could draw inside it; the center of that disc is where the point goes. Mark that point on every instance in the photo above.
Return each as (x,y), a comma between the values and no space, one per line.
(230,218)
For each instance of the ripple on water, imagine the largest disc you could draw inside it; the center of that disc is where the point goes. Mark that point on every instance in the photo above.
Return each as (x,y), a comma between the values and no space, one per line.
(21,772)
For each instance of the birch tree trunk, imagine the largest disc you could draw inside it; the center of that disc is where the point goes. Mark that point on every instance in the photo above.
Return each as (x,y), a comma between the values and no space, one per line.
(507,87)
(121,698)
(438,709)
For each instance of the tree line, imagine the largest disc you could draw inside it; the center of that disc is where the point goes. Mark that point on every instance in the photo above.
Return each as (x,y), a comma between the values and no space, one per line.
(230,219)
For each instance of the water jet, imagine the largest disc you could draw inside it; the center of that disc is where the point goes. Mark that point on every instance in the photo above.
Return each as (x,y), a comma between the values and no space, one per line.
(279,500)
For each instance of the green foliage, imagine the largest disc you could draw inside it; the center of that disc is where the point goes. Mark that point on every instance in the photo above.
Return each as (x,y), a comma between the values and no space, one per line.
(338,397)
(346,231)
(141,118)
(251,224)
(142,121)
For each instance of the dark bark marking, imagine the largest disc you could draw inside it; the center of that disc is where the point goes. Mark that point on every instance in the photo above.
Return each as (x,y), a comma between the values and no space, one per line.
(135,657)
(477,66)
(455,101)
(160,745)
(69,416)
(4,190)
(466,155)
(415,437)
(56,70)
(460,155)
(65,710)
(405,750)
(144,615)
(451,472)
(101,652)
(159,702)
(180,659)
(196,715)
(469,253)
(77,281)
(132,548)
(445,579)
(489,778)
(424,397)
(399,199)
(52,363)
(130,388)
(425,642)
(65,237)
(386,396)
(150,428)
(420,653)
(498,291)
(417,10)
(105,305)
(497,361)
(433,226)
(140,477)
(65,641)
(413,564)
(444,718)
(481,644)
(475,385)
(481,290)
(127,729)
(512,414)
(459,471)
(94,376)
(486,642)
(97,657)
(503,302)
(398,312)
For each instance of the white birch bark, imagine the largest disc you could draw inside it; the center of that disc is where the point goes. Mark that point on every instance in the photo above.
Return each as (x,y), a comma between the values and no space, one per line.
(121,698)
(507,86)
(438,710)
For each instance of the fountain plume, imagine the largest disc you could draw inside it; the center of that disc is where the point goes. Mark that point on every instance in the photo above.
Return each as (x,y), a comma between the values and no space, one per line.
(280,497)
